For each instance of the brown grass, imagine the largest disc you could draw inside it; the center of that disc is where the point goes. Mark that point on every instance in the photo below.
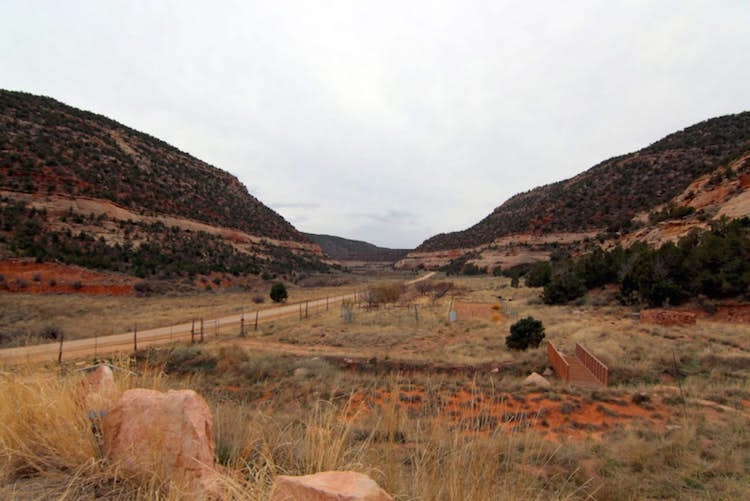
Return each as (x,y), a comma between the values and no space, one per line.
(424,435)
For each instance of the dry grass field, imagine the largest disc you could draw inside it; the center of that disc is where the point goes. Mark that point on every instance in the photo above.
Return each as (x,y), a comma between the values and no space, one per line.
(431,409)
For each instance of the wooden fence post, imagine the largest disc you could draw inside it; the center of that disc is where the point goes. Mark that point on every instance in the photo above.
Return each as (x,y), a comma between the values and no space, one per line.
(306,304)
(201,330)
(242,325)
(256,320)
(326,303)
(135,337)
(416,315)
(59,353)
(192,333)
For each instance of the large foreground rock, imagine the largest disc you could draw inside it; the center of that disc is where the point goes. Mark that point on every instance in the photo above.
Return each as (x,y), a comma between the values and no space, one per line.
(165,434)
(328,486)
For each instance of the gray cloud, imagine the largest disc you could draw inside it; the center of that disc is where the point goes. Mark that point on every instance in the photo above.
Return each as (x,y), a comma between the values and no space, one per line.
(346,110)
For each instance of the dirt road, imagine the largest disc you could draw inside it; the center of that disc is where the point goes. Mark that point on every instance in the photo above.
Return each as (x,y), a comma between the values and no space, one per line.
(127,341)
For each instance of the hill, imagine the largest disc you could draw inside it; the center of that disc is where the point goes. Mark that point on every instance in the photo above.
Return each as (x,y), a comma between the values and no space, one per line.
(343,249)
(608,196)
(80,188)
(657,194)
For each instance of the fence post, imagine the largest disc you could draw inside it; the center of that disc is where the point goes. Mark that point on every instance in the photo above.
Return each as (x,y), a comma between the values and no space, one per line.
(416,315)
(201,330)
(300,311)
(256,320)
(306,304)
(216,325)
(135,337)
(192,333)
(96,345)
(326,303)
(59,353)
(242,325)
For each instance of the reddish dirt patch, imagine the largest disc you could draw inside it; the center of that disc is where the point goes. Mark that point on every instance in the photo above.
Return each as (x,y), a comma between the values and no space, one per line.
(733,313)
(488,311)
(28,276)
(554,415)
(667,317)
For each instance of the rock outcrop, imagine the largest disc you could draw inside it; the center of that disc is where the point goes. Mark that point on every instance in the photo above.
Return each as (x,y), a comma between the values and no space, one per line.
(168,435)
(328,486)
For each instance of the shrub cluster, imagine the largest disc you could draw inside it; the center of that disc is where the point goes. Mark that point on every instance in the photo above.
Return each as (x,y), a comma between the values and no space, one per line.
(713,263)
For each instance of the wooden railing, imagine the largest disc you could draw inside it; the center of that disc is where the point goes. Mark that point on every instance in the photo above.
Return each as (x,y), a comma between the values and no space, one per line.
(593,364)
(557,361)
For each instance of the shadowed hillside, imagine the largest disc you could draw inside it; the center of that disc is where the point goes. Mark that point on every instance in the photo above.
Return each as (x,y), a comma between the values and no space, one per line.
(343,249)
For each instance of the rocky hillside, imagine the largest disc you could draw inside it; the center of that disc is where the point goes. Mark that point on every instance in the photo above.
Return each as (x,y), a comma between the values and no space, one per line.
(343,249)
(81,188)
(658,193)
(609,195)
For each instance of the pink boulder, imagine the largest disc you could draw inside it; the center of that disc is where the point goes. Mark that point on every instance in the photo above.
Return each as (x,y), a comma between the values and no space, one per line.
(99,389)
(168,435)
(328,486)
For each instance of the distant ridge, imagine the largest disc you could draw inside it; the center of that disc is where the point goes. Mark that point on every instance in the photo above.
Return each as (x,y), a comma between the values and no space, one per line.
(343,249)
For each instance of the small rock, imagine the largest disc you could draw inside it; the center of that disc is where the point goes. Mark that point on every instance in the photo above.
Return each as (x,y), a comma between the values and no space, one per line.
(328,486)
(494,370)
(548,372)
(301,372)
(536,379)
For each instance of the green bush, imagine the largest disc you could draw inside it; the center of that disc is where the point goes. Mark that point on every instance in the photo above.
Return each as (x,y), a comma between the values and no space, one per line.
(524,333)
(279,293)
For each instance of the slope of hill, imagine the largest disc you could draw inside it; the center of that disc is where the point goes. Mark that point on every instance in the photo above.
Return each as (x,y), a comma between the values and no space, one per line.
(657,193)
(83,189)
(343,249)
(610,194)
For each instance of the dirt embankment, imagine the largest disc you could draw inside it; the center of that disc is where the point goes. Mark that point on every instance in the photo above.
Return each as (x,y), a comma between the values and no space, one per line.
(28,276)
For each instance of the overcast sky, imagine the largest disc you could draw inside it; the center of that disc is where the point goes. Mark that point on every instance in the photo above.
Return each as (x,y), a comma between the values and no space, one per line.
(387,121)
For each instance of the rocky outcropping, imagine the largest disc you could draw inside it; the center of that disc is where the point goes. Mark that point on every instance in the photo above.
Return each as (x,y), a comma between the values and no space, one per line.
(328,486)
(168,435)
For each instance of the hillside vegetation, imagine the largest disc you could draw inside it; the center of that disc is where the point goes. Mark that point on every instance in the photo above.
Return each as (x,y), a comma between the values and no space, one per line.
(53,157)
(610,194)
(343,249)
(47,147)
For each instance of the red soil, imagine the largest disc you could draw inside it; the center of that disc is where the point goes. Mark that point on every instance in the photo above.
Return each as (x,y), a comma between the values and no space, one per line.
(553,415)
(30,277)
